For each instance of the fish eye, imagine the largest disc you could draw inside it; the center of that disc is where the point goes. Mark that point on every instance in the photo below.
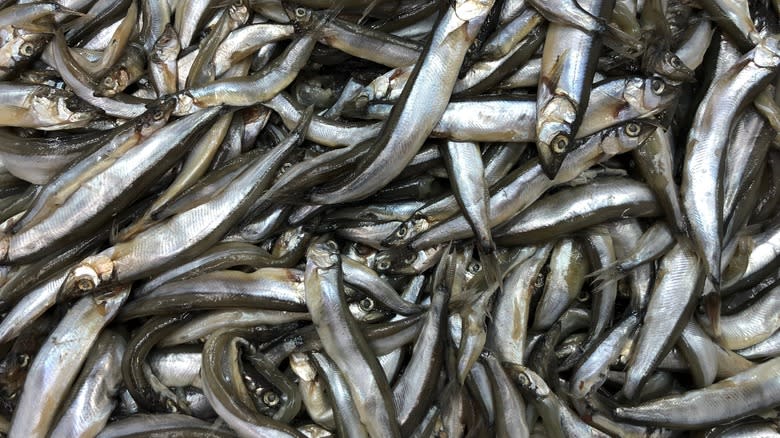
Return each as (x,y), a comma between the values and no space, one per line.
(410,259)
(270,398)
(27,49)
(676,63)
(85,284)
(108,82)
(523,380)
(633,129)
(475,267)
(332,245)
(383,265)
(171,405)
(158,115)
(366,304)
(401,231)
(23,360)
(559,144)
(658,86)
(300,12)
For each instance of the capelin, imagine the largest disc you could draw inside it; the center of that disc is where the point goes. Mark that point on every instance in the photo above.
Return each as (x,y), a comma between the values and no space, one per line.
(552,154)
(323,255)
(74,110)
(767,52)
(156,116)
(671,67)
(185,104)
(711,304)
(112,83)
(167,45)
(555,133)
(406,232)
(86,277)
(5,242)
(395,258)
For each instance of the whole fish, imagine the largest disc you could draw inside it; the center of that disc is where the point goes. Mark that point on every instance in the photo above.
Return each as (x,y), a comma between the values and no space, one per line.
(463,218)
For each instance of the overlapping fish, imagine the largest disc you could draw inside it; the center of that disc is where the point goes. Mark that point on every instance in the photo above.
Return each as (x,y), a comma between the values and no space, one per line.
(400,218)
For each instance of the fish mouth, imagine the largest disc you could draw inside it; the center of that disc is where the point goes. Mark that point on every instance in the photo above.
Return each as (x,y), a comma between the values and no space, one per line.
(552,153)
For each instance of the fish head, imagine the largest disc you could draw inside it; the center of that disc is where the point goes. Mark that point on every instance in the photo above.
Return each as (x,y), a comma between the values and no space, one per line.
(555,133)
(156,116)
(528,381)
(362,253)
(626,137)
(650,96)
(113,82)
(167,46)
(407,261)
(323,255)
(671,67)
(238,12)
(367,310)
(767,52)
(407,231)
(26,46)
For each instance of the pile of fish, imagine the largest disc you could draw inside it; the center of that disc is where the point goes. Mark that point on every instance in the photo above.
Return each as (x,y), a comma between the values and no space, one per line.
(401,218)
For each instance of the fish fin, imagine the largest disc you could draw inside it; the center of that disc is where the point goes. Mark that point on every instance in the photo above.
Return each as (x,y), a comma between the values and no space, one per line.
(555,72)
(608,274)
(68,11)
(711,303)
(492,267)
(439,274)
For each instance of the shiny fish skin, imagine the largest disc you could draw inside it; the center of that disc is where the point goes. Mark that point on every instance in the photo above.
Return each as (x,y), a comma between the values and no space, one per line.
(531,181)
(250,90)
(568,65)
(366,382)
(755,390)
(762,260)
(125,172)
(568,266)
(576,208)
(704,151)
(47,380)
(403,137)
(671,304)
(468,180)
(561,419)
(146,424)
(88,409)
(601,252)
(319,218)
(349,423)
(143,254)
(512,308)
(270,288)
(38,160)
(219,354)
(701,353)
(508,401)
(654,161)
(753,325)
(592,372)
(83,86)
(414,388)
(59,189)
